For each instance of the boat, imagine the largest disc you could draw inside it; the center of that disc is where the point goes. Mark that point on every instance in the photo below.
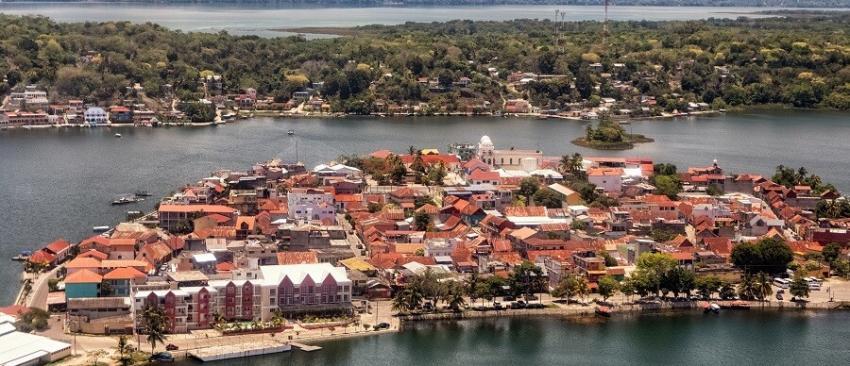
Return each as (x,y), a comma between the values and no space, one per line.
(22,256)
(142,194)
(290,132)
(711,308)
(118,135)
(126,200)
(100,229)
(603,311)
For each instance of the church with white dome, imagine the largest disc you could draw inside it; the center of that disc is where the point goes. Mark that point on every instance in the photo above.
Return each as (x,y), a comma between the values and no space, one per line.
(511,159)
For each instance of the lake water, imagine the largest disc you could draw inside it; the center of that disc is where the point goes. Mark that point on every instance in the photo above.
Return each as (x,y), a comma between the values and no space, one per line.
(258,20)
(742,338)
(60,182)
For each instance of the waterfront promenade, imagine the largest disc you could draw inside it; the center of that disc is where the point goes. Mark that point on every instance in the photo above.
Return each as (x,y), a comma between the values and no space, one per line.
(88,349)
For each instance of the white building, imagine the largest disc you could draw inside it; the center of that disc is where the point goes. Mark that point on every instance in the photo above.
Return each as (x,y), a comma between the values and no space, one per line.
(19,348)
(311,204)
(511,159)
(337,170)
(95,116)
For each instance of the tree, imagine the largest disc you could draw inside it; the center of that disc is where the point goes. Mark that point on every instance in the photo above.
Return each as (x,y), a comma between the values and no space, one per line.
(727,291)
(831,252)
(547,198)
(154,324)
(573,165)
(627,287)
(527,279)
(714,190)
(668,185)
(768,255)
(584,83)
(607,286)
(747,287)
(33,319)
(528,187)
(763,286)
(455,296)
(841,268)
(652,267)
(798,287)
(707,285)
(421,220)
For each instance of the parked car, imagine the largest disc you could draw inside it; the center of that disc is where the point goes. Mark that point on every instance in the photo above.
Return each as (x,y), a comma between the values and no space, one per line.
(383,325)
(508,298)
(162,357)
(171,347)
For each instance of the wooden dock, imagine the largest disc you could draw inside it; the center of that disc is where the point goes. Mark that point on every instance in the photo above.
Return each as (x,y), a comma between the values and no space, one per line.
(305,347)
(227,352)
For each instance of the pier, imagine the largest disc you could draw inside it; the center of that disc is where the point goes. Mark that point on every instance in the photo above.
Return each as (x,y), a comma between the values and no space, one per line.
(305,347)
(227,352)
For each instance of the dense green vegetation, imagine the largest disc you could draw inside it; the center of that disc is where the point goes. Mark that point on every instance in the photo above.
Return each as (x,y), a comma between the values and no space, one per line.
(801,62)
(609,135)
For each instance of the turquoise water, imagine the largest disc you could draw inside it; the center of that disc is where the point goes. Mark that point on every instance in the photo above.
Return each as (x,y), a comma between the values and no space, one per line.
(731,338)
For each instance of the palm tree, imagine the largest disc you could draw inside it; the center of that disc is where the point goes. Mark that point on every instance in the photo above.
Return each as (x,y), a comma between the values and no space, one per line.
(154,322)
(565,164)
(455,297)
(277,318)
(763,287)
(747,287)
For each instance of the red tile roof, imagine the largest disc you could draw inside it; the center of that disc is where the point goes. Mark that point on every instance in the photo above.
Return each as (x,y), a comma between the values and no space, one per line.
(83,262)
(58,246)
(224,267)
(93,253)
(197,208)
(479,174)
(41,256)
(124,273)
(83,276)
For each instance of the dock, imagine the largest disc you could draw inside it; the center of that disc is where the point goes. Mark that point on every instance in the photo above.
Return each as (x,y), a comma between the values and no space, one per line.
(305,347)
(227,352)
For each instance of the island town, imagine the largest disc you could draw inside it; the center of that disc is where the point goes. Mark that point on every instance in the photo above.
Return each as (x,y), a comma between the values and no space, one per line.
(279,256)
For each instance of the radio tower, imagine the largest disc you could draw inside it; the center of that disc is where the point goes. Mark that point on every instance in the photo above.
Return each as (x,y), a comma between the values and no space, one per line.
(605,26)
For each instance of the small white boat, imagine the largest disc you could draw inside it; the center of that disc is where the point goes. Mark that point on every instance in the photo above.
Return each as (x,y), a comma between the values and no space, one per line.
(118,135)
(290,132)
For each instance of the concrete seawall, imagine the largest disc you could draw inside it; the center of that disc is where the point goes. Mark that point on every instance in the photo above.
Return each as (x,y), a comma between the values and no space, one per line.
(621,309)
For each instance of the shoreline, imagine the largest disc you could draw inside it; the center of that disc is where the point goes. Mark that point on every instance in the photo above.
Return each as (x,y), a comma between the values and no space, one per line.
(257,114)
(622,309)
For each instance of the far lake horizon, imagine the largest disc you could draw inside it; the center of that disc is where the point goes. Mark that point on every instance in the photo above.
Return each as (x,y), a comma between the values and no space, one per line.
(257,19)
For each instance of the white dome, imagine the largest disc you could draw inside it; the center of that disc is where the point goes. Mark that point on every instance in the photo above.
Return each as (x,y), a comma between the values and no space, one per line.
(485,141)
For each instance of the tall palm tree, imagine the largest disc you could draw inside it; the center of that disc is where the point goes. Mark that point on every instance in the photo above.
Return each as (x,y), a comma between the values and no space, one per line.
(154,321)
(565,164)
(763,286)
(747,287)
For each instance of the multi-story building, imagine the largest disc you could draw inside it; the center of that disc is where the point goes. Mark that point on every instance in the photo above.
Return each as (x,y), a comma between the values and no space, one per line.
(10,119)
(172,216)
(252,295)
(311,204)
(95,116)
